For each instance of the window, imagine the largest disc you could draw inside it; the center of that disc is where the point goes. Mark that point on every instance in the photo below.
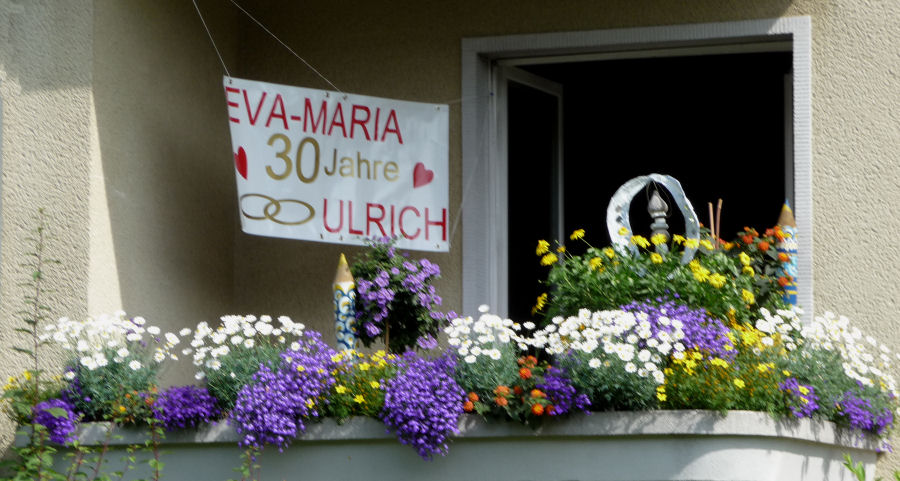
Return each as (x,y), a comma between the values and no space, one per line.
(724,110)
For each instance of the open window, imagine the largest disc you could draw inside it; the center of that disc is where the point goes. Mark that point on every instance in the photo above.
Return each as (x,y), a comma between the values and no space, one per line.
(563,129)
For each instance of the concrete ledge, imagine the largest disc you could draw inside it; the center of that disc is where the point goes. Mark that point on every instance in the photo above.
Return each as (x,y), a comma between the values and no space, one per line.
(654,445)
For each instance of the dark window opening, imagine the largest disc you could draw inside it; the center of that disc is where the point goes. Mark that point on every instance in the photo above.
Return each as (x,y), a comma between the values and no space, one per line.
(716,123)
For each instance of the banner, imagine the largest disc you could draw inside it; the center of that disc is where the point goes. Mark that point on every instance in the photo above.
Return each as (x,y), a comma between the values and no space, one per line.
(330,167)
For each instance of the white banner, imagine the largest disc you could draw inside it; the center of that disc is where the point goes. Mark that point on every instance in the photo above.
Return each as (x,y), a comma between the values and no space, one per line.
(330,167)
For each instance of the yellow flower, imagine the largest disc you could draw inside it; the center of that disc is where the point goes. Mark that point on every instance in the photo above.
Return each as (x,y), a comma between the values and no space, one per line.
(623,231)
(701,274)
(337,358)
(692,243)
(707,245)
(543,247)
(549,259)
(745,259)
(578,234)
(658,239)
(661,396)
(748,296)
(27,375)
(310,403)
(359,399)
(640,241)
(678,239)
(696,355)
(340,389)
(610,252)
(717,280)
(786,372)
(765,367)
(656,258)
(541,302)
(300,368)
(748,271)
(596,263)
(122,408)
(364,366)
(380,353)
(375,384)
(739,383)
(803,390)
(561,249)
(719,362)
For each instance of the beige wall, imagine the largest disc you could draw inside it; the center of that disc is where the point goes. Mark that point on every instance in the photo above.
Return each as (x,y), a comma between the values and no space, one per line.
(112,120)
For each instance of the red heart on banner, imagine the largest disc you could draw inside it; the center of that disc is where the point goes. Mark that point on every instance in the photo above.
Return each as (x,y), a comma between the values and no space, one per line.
(240,162)
(421,175)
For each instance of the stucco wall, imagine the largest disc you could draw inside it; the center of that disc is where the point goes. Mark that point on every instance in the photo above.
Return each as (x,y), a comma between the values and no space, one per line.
(164,146)
(45,90)
(112,122)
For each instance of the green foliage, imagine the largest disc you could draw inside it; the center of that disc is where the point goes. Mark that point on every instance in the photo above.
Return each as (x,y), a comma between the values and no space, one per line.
(483,376)
(519,400)
(607,385)
(249,468)
(229,354)
(859,470)
(717,280)
(358,389)
(109,393)
(237,370)
(749,381)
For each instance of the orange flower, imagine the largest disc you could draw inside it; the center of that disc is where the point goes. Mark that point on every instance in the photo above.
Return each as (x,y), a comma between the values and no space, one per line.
(501,401)
(784,280)
(763,246)
(502,391)
(549,409)
(783,257)
(468,406)
(530,361)
(537,409)
(748,239)
(518,390)
(525,373)
(770,232)
(473,397)
(537,393)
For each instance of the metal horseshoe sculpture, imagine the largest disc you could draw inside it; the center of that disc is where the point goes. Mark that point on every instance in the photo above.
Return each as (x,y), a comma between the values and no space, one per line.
(617,214)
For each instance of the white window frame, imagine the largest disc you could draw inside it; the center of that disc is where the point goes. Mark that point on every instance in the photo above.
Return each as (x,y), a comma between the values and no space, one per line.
(484,213)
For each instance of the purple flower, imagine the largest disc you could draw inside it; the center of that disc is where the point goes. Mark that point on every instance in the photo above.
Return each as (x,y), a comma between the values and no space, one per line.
(58,416)
(427,342)
(185,407)
(561,393)
(271,409)
(802,399)
(701,332)
(857,411)
(423,403)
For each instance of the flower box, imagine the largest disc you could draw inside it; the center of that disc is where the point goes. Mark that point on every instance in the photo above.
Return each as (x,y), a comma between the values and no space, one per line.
(654,445)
